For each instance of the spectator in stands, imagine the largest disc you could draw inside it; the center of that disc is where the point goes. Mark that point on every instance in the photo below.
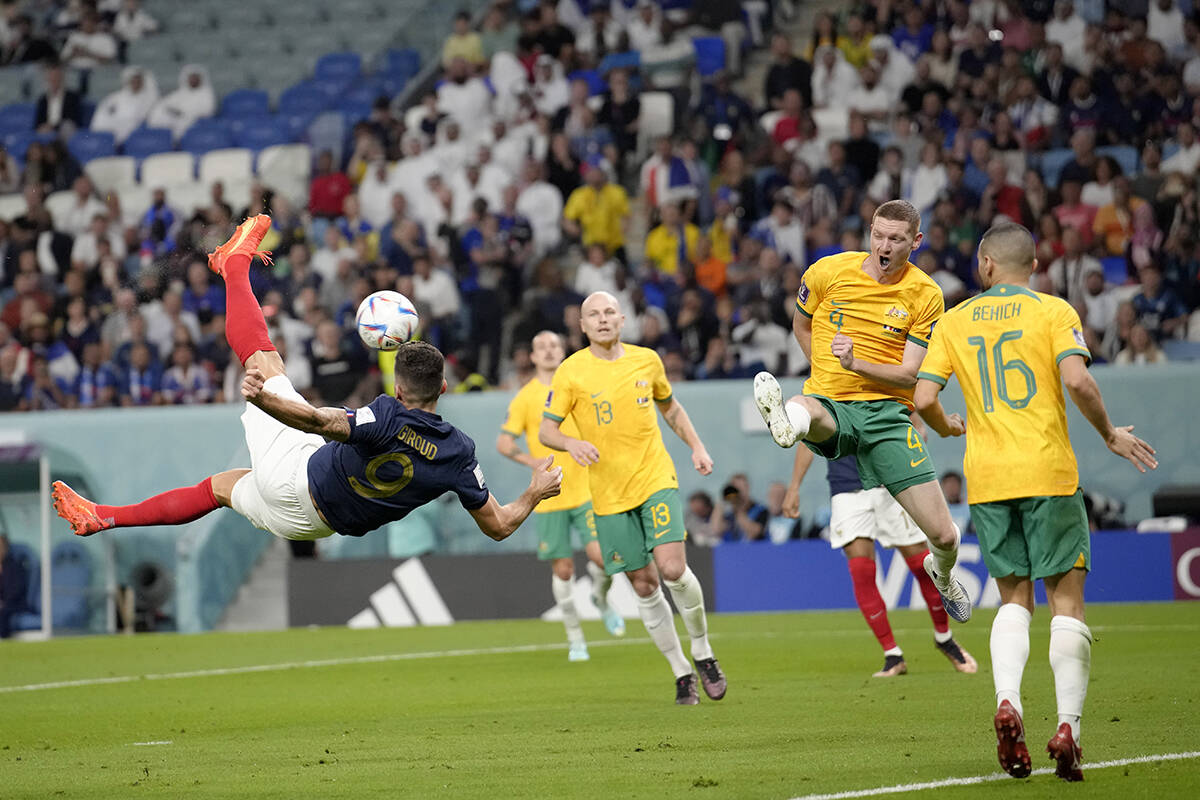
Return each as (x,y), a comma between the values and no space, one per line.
(85,251)
(672,244)
(953,289)
(463,97)
(923,185)
(498,33)
(337,366)
(1101,304)
(463,43)
(598,212)
(121,112)
(14,585)
(842,179)
(1141,349)
(870,98)
(59,109)
(185,382)
(132,22)
(645,28)
(1069,274)
(23,46)
(833,79)
(329,188)
(89,47)
(781,231)
(554,38)
(745,520)
(1114,221)
(1082,167)
(1157,306)
(1073,212)
(668,66)
(95,384)
(699,520)
(141,382)
(787,71)
(193,100)
(952,488)
(978,54)
(1187,157)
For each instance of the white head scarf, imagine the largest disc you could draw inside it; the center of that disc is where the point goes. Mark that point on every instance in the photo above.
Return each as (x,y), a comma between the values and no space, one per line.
(178,110)
(125,109)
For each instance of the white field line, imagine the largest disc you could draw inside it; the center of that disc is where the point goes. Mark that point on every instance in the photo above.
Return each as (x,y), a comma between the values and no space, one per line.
(480,651)
(995,776)
(150,744)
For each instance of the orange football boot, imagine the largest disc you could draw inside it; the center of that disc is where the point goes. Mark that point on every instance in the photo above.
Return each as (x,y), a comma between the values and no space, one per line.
(79,512)
(245,241)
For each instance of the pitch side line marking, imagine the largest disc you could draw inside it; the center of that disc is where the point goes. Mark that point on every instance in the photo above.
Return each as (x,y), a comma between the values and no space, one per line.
(151,744)
(995,776)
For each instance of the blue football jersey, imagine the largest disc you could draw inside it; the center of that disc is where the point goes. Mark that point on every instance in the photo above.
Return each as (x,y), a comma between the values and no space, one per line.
(843,475)
(396,459)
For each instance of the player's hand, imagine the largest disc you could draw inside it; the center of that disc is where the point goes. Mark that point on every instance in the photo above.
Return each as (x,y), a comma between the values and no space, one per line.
(956,425)
(252,384)
(702,461)
(791,503)
(1127,446)
(584,453)
(843,348)
(547,480)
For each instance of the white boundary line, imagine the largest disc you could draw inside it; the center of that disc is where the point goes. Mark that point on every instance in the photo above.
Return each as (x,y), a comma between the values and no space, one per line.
(996,776)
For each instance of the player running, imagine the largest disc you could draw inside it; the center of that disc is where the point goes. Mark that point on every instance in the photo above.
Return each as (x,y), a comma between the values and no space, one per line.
(864,321)
(860,517)
(385,460)
(609,390)
(555,518)
(1012,350)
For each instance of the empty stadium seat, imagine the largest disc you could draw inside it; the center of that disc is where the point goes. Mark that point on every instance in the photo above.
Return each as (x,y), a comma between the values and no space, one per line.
(1116,269)
(1052,164)
(145,142)
(260,132)
(245,102)
(135,200)
(284,160)
(365,92)
(1125,155)
(71,579)
(12,205)
(303,99)
(332,88)
(17,118)
(111,173)
(354,112)
(403,61)
(17,144)
(86,145)
(296,125)
(596,84)
(710,54)
(328,131)
(188,196)
(338,67)
(168,168)
(201,139)
(231,163)
(657,117)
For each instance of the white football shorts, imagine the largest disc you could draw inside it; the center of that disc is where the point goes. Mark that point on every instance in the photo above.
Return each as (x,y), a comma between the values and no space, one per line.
(870,514)
(274,496)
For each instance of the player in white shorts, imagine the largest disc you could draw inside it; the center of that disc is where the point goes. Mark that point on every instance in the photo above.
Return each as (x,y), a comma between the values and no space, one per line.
(858,519)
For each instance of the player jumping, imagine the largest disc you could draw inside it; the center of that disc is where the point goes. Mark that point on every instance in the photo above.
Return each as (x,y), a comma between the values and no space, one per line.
(610,391)
(556,517)
(1012,350)
(864,321)
(860,517)
(385,460)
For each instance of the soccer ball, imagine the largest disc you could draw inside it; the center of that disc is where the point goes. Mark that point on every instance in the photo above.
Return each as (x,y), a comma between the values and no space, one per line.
(385,320)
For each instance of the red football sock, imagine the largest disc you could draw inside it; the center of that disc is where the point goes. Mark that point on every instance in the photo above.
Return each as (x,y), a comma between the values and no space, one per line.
(870,601)
(169,508)
(245,327)
(916,563)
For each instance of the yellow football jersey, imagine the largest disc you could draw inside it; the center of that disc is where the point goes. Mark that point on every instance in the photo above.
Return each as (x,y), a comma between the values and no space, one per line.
(1005,346)
(840,297)
(525,417)
(612,403)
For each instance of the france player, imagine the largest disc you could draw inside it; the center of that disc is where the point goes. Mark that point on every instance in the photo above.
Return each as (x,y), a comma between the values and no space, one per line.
(385,459)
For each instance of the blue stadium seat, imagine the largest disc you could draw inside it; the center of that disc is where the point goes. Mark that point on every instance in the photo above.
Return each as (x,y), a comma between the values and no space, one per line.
(392,83)
(296,124)
(303,98)
(596,84)
(354,112)
(710,54)
(365,92)
(328,131)
(332,88)
(1125,155)
(1116,269)
(17,118)
(631,61)
(16,144)
(1052,164)
(199,139)
(338,67)
(86,145)
(148,141)
(71,577)
(245,103)
(259,132)
(87,110)
(405,62)
(31,618)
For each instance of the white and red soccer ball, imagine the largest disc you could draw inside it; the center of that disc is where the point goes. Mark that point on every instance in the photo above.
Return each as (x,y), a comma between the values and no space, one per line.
(385,320)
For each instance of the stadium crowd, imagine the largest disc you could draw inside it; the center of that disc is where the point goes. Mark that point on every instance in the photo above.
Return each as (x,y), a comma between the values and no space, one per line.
(522,182)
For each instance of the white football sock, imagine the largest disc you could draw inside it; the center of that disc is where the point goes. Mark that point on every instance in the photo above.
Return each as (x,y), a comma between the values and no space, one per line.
(1010,651)
(565,600)
(1071,661)
(660,624)
(944,560)
(893,651)
(600,584)
(799,417)
(689,599)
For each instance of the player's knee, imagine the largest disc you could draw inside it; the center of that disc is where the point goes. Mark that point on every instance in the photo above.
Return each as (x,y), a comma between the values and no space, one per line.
(564,569)
(672,569)
(644,584)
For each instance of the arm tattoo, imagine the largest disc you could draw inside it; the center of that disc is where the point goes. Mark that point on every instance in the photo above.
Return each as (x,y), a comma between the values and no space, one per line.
(673,420)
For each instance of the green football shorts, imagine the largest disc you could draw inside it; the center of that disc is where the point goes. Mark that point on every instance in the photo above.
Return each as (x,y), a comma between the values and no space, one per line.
(554,530)
(1035,537)
(890,451)
(628,538)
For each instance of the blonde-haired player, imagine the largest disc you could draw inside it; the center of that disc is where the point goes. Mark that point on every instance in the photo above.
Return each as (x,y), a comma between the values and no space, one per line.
(572,509)
(1012,350)
(864,320)
(610,390)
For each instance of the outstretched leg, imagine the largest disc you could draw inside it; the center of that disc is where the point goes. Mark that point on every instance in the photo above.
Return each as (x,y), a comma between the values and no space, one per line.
(245,327)
(174,507)
(801,417)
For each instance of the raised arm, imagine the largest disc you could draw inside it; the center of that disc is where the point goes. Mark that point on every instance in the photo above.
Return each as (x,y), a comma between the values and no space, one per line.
(499,521)
(1085,394)
(331,423)
(506,445)
(930,408)
(551,435)
(679,421)
(903,375)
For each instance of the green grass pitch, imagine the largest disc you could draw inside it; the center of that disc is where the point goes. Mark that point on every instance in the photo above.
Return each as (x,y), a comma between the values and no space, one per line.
(802,716)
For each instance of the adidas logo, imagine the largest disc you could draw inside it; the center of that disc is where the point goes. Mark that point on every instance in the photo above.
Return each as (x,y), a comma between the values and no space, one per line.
(409,599)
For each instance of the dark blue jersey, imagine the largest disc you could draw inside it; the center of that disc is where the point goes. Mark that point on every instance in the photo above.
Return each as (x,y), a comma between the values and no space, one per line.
(843,475)
(396,459)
